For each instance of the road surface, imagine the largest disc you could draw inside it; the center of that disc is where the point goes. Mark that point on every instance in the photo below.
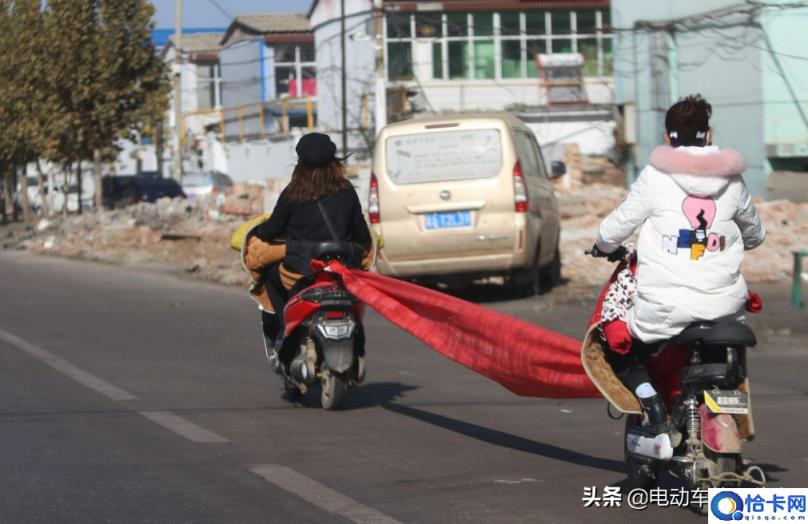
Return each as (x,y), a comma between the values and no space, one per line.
(129,395)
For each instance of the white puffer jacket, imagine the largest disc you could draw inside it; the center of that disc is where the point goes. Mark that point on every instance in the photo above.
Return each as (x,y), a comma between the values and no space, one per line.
(697,218)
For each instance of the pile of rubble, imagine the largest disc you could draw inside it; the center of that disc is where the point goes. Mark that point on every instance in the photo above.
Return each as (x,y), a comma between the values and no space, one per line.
(194,235)
(177,234)
(786,231)
(582,210)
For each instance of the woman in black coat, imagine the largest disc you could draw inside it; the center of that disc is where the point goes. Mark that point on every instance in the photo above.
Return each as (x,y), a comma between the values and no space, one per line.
(318,187)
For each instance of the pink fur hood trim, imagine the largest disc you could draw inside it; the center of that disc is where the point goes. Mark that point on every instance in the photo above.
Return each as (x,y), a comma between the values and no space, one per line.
(722,162)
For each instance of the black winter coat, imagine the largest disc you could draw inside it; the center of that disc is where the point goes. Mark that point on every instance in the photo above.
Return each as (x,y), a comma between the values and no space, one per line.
(303,224)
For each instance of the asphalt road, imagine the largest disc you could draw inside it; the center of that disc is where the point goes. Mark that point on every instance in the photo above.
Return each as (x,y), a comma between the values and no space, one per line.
(134,396)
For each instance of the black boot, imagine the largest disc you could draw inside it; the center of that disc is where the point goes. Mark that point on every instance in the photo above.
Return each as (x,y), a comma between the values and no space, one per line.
(656,414)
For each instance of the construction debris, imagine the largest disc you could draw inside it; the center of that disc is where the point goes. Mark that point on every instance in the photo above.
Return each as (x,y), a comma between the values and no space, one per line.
(582,210)
(244,199)
(194,235)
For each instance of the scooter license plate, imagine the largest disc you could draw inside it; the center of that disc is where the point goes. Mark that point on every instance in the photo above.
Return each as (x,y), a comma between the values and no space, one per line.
(732,402)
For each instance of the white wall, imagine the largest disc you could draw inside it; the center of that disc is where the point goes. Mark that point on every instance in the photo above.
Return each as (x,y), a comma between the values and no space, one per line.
(593,138)
(360,66)
(189,101)
(261,159)
(484,95)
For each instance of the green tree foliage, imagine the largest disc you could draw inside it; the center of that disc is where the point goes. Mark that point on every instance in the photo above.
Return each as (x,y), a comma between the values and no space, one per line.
(23,81)
(76,76)
(24,96)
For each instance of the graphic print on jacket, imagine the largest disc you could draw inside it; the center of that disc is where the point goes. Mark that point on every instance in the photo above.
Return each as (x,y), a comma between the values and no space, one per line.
(700,212)
(695,219)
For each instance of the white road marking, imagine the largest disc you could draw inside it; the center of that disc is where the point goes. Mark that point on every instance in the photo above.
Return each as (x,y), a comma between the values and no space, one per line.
(521,481)
(320,495)
(183,427)
(66,368)
(166,419)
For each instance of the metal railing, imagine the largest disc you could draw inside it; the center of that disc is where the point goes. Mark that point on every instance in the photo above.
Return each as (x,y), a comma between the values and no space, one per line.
(279,110)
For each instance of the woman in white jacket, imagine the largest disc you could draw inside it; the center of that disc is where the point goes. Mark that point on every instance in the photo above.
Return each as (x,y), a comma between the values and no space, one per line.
(697,219)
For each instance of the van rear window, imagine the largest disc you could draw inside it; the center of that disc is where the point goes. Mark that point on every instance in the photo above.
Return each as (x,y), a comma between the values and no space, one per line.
(447,155)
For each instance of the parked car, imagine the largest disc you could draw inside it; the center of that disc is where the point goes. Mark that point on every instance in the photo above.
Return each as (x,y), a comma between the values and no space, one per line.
(123,190)
(465,196)
(200,184)
(35,198)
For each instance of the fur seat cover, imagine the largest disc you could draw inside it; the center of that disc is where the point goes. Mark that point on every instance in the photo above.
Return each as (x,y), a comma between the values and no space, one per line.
(257,255)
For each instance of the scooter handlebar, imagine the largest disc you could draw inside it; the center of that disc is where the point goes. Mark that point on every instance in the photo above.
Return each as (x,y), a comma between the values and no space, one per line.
(615,256)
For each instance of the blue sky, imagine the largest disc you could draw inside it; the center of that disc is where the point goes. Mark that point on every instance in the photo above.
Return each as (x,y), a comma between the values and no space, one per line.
(205,13)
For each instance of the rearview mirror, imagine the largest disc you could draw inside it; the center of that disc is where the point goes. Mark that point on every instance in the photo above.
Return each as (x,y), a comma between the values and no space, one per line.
(558,169)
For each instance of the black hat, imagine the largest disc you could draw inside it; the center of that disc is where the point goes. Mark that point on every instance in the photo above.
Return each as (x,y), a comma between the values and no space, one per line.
(316,149)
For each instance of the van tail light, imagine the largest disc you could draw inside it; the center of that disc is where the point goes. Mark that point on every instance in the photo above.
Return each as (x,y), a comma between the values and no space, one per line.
(520,197)
(373,200)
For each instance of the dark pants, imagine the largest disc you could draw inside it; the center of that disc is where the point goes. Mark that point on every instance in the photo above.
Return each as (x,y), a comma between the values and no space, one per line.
(273,325)
(278,296)
(632,369)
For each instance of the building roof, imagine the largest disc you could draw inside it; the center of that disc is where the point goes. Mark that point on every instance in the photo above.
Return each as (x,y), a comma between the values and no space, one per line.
(200,42)
(161,36)
(450,5)
(275,22)
(268,24)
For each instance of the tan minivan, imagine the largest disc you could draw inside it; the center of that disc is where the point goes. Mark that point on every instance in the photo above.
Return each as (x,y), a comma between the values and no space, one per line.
(462,197)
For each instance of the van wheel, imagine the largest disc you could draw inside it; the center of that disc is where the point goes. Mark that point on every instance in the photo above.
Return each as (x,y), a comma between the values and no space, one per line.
(550,275)
(527,282)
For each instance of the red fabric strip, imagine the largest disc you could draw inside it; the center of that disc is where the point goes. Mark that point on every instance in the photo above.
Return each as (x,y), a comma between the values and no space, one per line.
(526,359)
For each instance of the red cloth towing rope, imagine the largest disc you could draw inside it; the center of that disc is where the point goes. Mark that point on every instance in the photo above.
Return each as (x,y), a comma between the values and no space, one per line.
(527,359)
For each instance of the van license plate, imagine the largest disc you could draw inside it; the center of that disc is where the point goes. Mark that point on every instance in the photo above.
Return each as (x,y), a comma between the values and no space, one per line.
(448,220)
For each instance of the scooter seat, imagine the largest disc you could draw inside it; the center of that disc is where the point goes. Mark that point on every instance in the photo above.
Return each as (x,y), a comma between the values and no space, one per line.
(339,250)
(716,333)
(705,373)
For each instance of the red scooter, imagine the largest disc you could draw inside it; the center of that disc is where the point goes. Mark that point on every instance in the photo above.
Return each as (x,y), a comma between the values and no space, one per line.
(702,374)
(324,340)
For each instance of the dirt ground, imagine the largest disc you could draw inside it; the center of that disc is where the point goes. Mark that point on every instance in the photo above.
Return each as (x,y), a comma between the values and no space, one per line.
(786,225)
(195,235)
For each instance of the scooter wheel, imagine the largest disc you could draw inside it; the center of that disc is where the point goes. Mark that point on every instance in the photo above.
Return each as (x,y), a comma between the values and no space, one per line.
(640,475)
(333,391)
(291,391)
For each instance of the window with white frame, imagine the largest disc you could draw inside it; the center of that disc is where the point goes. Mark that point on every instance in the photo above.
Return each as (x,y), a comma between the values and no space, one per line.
(494,45)
(208,85)
(295,70)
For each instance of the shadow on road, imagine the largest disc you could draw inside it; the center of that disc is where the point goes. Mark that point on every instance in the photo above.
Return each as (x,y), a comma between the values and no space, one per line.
(769,469)
(499,438)
(480,293)
(365,396)
(376,394)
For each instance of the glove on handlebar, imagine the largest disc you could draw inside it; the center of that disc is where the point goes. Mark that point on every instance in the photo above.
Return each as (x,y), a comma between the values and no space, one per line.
(753,302)
(615,256)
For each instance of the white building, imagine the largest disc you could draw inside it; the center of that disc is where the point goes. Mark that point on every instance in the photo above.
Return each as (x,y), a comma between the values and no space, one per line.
(201,80)
(466,55)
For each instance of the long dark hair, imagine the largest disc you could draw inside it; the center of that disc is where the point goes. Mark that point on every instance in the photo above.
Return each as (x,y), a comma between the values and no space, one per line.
(687,122)
(311,183)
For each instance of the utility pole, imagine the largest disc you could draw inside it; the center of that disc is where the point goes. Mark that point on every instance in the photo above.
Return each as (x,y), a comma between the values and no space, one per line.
(380,90)
(177,157)
(673,67)
(344,81)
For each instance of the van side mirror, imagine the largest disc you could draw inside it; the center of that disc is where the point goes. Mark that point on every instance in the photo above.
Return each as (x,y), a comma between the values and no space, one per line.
(558,169)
